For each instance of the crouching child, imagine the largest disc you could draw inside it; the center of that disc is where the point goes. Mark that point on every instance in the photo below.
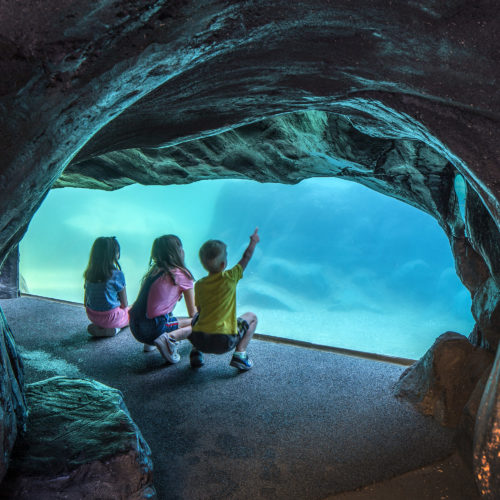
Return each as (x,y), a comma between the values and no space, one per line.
(217,329)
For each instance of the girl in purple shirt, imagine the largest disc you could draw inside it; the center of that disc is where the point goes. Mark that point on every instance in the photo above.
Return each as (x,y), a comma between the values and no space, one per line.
(105,293)
(168,280)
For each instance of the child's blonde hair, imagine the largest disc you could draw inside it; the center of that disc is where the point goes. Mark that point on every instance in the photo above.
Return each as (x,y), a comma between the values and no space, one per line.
(212,254)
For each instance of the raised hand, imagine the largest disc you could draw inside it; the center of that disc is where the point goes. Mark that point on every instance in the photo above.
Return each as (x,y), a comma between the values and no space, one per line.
(255,237)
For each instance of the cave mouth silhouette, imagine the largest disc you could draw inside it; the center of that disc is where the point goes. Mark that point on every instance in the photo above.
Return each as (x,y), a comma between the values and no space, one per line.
(339,264)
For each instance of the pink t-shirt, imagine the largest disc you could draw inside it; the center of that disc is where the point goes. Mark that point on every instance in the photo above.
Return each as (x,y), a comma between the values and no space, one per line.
(164,294)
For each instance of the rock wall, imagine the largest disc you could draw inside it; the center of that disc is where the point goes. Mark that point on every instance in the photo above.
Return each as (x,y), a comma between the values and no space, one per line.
(9,275)
(456,384)
(486,456)
(13,407)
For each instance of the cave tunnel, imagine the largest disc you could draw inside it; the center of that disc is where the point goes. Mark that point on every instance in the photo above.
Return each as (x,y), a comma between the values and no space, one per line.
(400,99)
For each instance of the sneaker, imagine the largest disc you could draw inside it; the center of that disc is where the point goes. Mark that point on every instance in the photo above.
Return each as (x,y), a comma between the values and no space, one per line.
(243,364)
(93,330)
(148,348)
(97,331)
(196,358)
(167,348)
(109,332)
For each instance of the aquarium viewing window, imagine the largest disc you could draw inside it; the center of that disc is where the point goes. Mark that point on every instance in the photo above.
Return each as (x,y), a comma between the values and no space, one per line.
(338,264)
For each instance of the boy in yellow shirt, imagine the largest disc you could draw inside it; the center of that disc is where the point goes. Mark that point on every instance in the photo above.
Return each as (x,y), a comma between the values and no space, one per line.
(217,330)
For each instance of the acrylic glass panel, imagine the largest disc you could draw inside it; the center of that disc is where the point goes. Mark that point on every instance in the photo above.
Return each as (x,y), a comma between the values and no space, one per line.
(338,264)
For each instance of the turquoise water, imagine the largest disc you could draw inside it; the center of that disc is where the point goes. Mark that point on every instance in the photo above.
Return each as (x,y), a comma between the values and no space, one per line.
(338,264)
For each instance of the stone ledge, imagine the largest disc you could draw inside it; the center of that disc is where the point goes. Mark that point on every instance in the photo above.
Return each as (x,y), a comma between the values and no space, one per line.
(81,443)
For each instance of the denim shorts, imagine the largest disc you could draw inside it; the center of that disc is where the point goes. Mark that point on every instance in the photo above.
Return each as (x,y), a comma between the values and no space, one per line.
(166,323)
(218,343)
(147,330)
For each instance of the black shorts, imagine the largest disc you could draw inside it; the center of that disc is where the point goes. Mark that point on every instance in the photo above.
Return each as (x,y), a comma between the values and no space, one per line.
(218,343)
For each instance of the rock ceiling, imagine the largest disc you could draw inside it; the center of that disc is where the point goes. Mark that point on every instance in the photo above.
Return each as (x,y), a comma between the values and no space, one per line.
(398,96)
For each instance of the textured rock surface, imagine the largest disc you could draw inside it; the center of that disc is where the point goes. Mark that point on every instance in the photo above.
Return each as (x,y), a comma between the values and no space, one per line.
(399,96)
(9,275)
(80,443)
(466,427)
(442,381)
(13,409)
(486,456)
(454,382)
(486,310)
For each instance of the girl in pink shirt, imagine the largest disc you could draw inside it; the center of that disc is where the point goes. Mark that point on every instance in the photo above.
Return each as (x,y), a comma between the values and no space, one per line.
(168,280)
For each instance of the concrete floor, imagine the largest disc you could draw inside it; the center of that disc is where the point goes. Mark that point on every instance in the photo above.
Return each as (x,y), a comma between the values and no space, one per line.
(303,423)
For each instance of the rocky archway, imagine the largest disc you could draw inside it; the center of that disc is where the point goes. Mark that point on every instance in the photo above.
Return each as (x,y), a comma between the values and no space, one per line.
(400,98)
(388,152)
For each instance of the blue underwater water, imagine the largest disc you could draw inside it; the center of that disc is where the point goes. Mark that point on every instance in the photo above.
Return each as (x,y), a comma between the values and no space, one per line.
(338,264)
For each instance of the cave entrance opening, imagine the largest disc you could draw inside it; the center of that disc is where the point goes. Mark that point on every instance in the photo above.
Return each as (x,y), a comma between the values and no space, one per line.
(338,264)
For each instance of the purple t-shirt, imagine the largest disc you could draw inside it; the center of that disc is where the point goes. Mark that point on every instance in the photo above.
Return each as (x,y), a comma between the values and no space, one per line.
(164,293)
(104,296)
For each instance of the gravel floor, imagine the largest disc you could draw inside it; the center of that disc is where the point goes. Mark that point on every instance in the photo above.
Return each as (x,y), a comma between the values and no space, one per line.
(302,424)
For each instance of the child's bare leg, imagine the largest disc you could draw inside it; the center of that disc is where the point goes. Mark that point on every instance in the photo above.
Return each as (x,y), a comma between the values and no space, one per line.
(251,319)
(184,322)
(182,332)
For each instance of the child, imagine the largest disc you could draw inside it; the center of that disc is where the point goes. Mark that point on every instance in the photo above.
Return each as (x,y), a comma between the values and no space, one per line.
(105,293)
(168,279)
(217,329)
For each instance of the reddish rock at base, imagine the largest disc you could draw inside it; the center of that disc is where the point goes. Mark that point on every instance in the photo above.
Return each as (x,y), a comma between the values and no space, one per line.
(80,443)
(486,457)
(466,427)
(442,381)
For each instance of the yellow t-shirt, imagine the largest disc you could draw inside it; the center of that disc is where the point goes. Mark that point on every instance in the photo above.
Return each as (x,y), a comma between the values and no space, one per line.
(215,298)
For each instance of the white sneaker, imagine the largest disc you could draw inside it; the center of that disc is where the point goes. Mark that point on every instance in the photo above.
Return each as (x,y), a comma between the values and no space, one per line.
(148,348)
(110,332)
(167,348)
